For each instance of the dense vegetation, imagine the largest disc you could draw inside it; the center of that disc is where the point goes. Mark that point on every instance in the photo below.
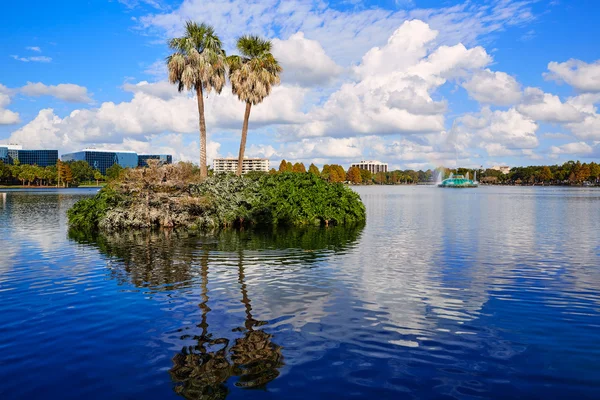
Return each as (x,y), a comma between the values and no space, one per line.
(175,195)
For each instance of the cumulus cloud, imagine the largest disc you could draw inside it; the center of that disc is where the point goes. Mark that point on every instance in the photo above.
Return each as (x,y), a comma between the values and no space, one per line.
(149,113)
(579,148)
(345,35)
(64,91)
(579,74)
(7,117)
(394,87)
(163,89)
(304,61)
(497,88)
(547,107)
(498,132)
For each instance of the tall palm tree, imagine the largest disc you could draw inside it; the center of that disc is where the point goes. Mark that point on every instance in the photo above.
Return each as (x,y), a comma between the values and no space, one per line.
(252,75)
(199,64)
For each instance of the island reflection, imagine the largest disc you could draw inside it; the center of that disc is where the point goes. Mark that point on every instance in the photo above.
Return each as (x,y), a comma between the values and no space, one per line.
(169,260)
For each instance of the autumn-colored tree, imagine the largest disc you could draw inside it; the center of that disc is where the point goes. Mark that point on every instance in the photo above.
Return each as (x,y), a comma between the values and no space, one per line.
(299,168)
(584,173)
(60,172)
(272,171)
(380,178)
(283,166)
(314,170)
(68,177)
(353,175)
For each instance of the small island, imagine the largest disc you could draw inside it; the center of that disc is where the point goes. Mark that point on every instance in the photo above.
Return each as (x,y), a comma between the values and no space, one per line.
(175,195)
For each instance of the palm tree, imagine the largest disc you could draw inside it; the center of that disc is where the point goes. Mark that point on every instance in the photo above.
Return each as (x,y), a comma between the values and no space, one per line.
(252,74)
(199,64)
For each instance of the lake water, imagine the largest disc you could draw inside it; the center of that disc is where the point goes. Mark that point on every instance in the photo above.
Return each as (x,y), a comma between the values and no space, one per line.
(467,294)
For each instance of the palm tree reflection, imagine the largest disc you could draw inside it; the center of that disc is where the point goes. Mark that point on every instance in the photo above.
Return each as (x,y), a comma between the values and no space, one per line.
(202,372)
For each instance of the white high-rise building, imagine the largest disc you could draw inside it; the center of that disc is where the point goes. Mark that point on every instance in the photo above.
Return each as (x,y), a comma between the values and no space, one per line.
(372,166)
(224,165)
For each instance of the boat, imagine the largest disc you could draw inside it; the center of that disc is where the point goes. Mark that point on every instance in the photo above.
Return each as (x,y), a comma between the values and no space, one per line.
(458,182)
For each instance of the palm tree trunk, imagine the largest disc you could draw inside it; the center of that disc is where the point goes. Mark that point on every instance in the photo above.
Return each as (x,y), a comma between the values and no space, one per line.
(244,136)
(199,95)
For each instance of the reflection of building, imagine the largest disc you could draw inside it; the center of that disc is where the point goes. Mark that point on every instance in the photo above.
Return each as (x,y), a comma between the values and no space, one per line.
(162,158)
(104,159)
(372,166)
(10,154)
(502,168)
(249,164)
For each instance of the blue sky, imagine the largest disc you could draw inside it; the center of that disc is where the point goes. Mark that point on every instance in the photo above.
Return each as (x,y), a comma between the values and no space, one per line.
(413,83)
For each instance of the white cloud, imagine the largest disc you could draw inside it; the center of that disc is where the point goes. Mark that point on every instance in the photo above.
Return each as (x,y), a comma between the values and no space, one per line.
(547,107)
(42,59)
(579,74)
(497,88)
(396,82)
(148,114)
(304,61)
(580,148)
(162,89)
(64,91)
(345,35)
(7,117)
(34,48)
(498,132)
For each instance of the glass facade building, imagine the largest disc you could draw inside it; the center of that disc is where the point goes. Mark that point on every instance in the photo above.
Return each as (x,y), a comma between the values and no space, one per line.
(104,159)
(163,158)
(41,158)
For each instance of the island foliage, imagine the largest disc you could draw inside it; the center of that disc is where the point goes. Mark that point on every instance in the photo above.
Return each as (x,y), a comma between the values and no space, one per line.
(177,196)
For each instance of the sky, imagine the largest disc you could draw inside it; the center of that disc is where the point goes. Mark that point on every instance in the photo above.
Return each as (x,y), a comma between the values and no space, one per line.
(414,83)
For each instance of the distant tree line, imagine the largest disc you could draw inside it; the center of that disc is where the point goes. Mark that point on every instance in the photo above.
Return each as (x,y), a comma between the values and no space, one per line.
(63,174)
(569,173)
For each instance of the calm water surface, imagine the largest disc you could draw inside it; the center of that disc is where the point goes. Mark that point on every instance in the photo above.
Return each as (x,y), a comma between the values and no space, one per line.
(469,294)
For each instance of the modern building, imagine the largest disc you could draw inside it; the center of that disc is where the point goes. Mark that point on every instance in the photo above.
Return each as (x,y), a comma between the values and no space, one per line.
(104,159)
(162,158)
(223,165)
(502,168)
(372,166)
(10,154)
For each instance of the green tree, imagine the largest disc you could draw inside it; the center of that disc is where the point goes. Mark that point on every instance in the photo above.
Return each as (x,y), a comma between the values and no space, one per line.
(114,171)
(82,171)
(545,174)
(314,170)
(199,64)
(253,73)
(98,176)
(366,176)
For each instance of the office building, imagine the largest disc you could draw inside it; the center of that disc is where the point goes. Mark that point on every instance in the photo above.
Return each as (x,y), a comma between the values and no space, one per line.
(10,154)
(104,159)
(162,158)
(224,165)
(502,168)
(372,166)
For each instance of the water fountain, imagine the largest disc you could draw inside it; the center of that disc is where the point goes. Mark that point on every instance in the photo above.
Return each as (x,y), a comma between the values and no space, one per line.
(458,182)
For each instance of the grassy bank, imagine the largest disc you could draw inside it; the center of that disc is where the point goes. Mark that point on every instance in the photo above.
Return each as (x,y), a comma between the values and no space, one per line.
(173,196)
